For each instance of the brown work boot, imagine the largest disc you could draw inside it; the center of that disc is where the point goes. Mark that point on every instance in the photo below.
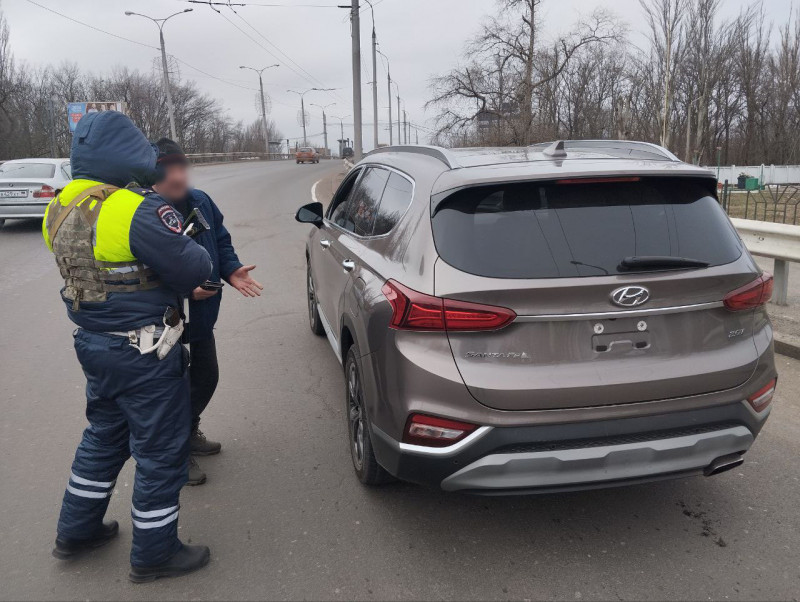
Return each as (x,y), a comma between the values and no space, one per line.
(201,446)
(196,474)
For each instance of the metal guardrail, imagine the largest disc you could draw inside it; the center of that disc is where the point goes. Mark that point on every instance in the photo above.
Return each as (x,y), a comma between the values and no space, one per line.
(234,157)
(781,242)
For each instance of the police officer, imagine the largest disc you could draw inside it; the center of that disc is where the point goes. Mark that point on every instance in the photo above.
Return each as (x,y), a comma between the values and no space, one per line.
(204,303)
(125,264)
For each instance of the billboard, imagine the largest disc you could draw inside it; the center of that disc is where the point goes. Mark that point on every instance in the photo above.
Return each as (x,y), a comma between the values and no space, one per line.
(76,110)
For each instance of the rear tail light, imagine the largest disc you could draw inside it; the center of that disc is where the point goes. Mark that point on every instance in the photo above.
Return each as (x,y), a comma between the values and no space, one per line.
(45,192)
(431,431)
(412,310)
(752,295)
(763,397)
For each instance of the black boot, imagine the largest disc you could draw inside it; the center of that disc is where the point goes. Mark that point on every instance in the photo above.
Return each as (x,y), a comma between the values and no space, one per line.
(196,474)
(69,548)
(201,446)
(187,560)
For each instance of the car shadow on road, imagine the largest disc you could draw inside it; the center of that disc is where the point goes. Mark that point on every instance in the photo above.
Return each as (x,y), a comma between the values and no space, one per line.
(21,226)
(639,519)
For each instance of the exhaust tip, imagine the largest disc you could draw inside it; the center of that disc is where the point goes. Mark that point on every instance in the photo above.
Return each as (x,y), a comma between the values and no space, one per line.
(724,464)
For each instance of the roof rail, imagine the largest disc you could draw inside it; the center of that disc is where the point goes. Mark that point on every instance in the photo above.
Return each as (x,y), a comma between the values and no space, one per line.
(622,148)
(431,151)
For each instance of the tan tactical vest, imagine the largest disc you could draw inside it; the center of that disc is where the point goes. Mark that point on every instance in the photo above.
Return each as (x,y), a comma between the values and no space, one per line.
(71,229)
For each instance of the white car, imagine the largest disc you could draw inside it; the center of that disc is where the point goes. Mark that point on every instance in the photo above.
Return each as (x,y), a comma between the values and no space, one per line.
(28,185)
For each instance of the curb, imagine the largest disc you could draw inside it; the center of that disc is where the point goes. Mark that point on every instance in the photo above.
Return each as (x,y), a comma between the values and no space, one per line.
(787,345)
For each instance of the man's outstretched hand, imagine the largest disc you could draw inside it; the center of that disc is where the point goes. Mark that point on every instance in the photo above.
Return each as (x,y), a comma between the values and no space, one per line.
(242,282)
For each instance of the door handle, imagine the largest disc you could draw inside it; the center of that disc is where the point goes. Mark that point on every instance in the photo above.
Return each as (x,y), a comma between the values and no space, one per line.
(325,244)
(348,265)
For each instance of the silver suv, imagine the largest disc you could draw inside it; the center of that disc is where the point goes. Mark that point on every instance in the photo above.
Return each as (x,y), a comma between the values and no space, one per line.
(515,320)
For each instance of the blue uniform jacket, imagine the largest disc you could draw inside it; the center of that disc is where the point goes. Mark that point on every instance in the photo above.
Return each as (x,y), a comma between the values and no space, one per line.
(217,241)
(107,147)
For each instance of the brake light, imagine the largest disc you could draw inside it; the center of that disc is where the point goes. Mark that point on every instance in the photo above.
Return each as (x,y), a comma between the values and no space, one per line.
(412,310)
(431,431)
(763,397)
(752,295)
(598,180)
(45,192)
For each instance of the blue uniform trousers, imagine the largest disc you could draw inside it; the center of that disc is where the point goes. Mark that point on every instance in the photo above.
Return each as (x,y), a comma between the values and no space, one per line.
(140,406)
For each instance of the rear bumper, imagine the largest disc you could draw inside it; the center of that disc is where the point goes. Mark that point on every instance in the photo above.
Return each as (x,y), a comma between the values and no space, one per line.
(542,459)
(29,210)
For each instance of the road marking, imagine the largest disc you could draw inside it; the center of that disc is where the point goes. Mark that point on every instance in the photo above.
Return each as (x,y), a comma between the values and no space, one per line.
(314,190)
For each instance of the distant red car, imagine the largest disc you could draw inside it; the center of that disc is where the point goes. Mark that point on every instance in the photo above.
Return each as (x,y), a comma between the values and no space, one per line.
(307,155)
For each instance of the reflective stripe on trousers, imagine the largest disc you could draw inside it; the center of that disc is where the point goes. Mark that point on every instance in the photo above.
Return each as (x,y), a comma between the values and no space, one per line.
(136,405)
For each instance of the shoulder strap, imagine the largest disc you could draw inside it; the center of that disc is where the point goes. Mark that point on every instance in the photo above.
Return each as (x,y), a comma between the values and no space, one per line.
(105,190)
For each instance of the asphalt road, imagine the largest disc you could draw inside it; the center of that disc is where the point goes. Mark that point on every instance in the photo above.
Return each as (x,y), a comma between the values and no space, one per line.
(282,511)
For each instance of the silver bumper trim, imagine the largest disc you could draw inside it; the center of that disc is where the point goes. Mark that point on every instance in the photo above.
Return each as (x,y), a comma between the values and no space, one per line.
(627,313)
(595,465)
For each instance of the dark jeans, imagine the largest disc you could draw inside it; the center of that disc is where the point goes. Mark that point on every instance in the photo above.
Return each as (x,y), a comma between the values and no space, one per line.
(204,375)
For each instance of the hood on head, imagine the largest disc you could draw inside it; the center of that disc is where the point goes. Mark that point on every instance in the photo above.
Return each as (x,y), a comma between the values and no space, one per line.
(109,148)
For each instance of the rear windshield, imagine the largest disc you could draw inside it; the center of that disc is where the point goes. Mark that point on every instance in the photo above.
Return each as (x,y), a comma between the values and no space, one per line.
(567,229)
(306,150)
(9,171)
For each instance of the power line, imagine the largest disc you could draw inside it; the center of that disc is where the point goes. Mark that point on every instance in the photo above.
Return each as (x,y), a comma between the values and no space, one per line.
(108,33)
(119,37)
(313,79)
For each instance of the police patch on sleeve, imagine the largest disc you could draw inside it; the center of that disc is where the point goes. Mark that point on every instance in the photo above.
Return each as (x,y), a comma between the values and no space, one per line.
(170,218)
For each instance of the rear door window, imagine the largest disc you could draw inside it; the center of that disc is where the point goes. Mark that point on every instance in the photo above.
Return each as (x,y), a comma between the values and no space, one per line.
(9,171)
(366,198)
(396,199)
(568,229)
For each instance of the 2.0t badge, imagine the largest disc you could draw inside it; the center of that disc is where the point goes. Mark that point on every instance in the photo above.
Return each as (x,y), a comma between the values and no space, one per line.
(630,296)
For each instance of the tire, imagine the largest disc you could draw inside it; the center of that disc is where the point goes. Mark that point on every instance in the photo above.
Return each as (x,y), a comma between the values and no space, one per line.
(314,321)
(298,162)
(2,222)
(366,467)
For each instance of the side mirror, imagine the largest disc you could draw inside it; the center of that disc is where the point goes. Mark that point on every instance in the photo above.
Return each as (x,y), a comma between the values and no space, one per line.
(310,214)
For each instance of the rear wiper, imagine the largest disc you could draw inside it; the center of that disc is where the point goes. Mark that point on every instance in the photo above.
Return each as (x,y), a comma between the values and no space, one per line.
(660,262)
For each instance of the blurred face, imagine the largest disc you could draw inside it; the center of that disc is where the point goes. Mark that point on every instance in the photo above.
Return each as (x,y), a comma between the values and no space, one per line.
(175,184)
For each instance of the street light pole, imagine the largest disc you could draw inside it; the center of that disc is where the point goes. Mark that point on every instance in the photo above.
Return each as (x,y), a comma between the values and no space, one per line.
(341,134)
(389,87)
(160,23)
(358,144)
(399,135)
(374,78)
(303,106)
(263,104)
(324,123)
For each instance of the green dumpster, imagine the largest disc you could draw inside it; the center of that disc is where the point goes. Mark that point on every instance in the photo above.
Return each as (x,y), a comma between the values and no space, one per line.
(752,184)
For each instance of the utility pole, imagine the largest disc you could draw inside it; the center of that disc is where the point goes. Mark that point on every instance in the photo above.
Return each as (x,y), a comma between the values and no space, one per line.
(263,104)
(417,131)
(405,127)
(303,106)
(358,149)
(324,123)
(341,134)
(160,23)
(399,135)
(391,129)
(389,95)
(52,107)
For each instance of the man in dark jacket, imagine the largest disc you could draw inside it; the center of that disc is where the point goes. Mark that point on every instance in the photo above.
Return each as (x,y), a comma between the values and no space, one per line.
(204,302)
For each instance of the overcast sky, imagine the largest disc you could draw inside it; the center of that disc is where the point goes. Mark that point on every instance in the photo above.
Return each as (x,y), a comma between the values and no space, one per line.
(421,38)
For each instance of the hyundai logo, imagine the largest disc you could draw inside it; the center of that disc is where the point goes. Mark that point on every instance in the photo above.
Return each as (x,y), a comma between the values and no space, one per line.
(630,296)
